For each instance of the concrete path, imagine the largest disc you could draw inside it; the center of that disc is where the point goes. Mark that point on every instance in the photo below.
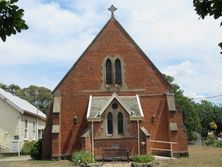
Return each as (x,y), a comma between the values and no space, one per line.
(116,164)
(162,158)
(15,158)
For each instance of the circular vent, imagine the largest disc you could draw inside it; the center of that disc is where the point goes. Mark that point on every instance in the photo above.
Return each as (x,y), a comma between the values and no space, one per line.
(115,106)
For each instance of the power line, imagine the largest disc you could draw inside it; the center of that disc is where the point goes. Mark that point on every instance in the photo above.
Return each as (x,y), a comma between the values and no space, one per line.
(207,97)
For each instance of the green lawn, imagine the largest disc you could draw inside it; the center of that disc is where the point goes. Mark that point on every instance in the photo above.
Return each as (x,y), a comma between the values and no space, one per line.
(31,163)
(200,156)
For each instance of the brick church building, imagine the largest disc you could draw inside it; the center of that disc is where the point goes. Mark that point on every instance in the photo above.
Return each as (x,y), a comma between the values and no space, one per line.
(114,97)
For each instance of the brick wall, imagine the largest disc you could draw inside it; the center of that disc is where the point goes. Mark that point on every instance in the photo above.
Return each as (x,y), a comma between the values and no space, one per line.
(140,77)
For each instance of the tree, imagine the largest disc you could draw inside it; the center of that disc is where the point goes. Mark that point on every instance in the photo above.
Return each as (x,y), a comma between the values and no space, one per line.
(191,118)
(209,113)
(40,97)
(10,19)
(209,7)
(13,89)
(3,86)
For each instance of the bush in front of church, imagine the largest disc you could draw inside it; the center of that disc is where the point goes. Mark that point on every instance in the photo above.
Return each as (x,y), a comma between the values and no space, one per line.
(146,160)
(82,157)
(36,151)
(26,148)
(143,158)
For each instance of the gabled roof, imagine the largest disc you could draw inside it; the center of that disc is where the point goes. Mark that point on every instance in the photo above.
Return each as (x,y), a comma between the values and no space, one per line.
(127,36)
(21,105)
(98,104)
(146,133)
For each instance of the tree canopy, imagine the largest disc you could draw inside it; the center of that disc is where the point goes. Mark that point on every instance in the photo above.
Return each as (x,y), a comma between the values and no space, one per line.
(10,19)
(209,7)
(197,117)
(40,97)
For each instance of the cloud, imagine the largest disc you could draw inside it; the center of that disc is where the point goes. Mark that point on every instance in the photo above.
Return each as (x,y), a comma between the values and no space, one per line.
(169,32)
(185,69)
(199,79)
(55,34)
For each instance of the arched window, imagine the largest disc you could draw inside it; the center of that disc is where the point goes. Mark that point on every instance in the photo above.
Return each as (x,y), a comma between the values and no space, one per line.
(120,123)
(108,71)
(110,123)
(118,72)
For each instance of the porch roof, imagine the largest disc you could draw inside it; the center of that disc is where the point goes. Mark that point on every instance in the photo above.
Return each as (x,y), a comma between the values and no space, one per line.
(98,104)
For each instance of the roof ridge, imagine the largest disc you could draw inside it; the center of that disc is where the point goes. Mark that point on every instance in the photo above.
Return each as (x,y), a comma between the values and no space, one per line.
(20,104)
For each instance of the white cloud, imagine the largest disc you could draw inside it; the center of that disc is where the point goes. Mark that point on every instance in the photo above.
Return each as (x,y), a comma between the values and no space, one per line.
(186,70)
(54,35)
(168,31)
(199,79)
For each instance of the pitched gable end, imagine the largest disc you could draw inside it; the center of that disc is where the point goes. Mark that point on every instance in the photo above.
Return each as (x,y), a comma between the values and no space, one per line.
(118,25)
(78,60)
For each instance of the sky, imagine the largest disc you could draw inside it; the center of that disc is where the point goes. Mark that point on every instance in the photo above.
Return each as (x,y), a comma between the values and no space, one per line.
(169,32)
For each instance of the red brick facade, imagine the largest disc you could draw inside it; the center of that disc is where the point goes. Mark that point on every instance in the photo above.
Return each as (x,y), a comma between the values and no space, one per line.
(86,77)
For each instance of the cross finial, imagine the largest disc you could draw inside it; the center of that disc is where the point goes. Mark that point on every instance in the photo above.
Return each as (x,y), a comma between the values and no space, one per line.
(112,9)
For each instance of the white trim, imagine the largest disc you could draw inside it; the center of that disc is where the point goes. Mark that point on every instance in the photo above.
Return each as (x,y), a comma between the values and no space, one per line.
(33,130)
(20,136)
(20,104)
(114,96)
(11,103)
(26,130)
(140,108)
(89,106)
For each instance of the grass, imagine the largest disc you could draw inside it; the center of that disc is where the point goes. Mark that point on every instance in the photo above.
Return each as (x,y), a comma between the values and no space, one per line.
(36,163)
(200,156)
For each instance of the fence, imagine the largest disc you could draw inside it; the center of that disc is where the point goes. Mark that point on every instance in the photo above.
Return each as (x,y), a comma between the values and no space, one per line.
(164,149)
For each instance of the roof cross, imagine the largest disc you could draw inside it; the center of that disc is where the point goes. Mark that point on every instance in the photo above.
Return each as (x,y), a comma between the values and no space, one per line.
(112,9)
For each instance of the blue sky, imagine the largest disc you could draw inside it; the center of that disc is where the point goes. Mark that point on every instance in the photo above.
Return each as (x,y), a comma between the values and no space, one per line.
(169,32)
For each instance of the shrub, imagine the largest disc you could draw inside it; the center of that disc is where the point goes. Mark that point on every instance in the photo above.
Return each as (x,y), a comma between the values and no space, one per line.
(26,148)
(144,158)
(81,157)
(213,142)
(36,151)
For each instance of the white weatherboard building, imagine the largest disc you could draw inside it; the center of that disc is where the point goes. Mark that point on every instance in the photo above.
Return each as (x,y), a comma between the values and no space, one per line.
(20,121)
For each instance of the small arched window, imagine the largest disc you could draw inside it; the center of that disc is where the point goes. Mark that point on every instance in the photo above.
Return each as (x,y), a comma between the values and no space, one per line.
(110,123)
(120,123)
(118,72)
(108,72)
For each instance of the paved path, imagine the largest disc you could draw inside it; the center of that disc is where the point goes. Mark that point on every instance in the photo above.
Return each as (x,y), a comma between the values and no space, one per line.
(116,164)
(15,158)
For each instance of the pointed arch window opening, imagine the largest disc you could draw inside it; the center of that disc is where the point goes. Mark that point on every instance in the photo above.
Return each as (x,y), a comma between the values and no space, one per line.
(109,80)
(110,123)
(118,72)
(120,123)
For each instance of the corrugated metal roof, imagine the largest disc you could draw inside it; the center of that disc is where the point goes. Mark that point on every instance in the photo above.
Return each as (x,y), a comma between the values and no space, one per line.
(20,104)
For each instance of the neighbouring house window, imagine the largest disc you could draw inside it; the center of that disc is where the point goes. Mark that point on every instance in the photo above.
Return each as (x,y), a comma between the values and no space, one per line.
(26,129)
(34,130)
(120,123)
(108,72)
(118,72)
(39,134)
(110,123)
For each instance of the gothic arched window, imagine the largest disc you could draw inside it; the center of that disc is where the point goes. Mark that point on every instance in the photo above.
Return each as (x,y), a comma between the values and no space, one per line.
(108,71)
(118,72)
(120,123)
(110,123)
